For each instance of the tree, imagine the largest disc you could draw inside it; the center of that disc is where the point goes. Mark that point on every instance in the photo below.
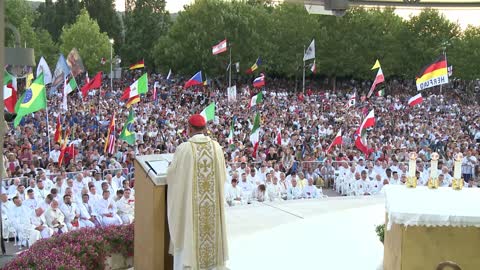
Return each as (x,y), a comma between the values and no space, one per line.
(53,16)
(464,54)
(85,35)
(103,11)
(143,27)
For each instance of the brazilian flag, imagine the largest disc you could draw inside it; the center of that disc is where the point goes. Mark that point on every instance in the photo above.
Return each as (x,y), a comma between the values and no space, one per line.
(128,134)
(34,99)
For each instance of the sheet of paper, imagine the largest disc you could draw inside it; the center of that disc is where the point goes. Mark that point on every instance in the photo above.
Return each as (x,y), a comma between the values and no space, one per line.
(160,166)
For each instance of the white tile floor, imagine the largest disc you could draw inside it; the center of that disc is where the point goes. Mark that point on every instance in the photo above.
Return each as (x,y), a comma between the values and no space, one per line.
(334,233)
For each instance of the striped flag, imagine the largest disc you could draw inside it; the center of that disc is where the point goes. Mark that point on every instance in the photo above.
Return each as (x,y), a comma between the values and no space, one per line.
(433,74)
(255,136)
(110,143)
(220,47)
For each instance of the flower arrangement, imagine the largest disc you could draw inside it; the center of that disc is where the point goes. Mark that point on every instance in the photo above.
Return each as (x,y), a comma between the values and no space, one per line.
(380,230)
(85,249)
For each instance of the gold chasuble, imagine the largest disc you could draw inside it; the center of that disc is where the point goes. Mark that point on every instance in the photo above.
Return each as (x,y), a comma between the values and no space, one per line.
(195,201)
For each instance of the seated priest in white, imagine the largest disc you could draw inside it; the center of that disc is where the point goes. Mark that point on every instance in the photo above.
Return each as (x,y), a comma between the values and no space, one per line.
(40,226)
(6,206)
(274,189)
(246,186)
(88,217)
(441,181)
(310,191)
(294,192)
(126,207)
(233,194)
(19,217)
(31,203)
(55,218)
(259,194)
(69,210)
(376,185)
(107,209)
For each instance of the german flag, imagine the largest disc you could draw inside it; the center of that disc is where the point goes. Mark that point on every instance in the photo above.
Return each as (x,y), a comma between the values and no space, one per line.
(433,74)
(139,64)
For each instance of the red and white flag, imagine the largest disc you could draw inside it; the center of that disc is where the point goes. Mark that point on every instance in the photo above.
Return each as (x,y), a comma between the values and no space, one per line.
(338,140)
(378,79)
(103,61)
(220,47)
(361,133)
(314,67)
(415,100)
(352,100)
(279,137)
(111,144)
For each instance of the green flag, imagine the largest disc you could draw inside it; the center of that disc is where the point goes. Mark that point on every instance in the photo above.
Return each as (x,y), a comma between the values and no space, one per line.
(209,112)
(34,99)
(70,85)
(128,134)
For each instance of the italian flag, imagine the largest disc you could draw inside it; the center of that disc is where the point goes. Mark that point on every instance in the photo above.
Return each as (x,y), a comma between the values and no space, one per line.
(9,92)
(255,136)
(70,85)
(338,140)
(380,93)
(132,93)
(361,139)
(230,135)
(209,112)
(257,99)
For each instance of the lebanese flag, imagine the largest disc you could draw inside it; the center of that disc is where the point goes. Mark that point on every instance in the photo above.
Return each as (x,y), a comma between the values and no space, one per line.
(92,84)
(415,100)
(279,137)
(220,47)
(9,92)
(314,67)
(58,131)
(338,140)
(378,79)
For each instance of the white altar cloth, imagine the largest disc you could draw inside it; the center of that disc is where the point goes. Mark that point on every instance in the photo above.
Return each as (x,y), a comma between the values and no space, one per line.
(421,206)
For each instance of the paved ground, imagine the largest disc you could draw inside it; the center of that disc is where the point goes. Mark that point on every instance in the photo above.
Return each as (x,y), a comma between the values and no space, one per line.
(12,251)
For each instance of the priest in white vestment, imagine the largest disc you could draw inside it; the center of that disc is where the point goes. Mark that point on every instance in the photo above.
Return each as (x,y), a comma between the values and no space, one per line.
(40,226)
(107,209)
(126,207)
(195,202)
(88,217)
(55,218)
(70,212)
(19,217)
(234,194)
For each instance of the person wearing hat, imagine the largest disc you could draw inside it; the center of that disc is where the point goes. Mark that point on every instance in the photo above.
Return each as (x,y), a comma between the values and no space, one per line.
(195,201)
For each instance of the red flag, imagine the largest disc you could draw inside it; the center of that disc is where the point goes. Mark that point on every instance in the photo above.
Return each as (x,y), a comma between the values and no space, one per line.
(10,97)
(279,137)
(64,147)
(338,140)
(58,131)
(111,130)
(92,84)
(415,100)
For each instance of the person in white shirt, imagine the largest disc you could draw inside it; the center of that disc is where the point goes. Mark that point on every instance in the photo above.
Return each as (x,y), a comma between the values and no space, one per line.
(246,186)
(395,180)
(6,206)
(55,218)
(125,185)
(46,181)
(79,184)
(107,209)
(376,185)
(70,212)
(40,225)
(31,203)
(88,217)
(45,204)
(60,186)
(253,177)
(41,192)
(126,207)
(118,179)
(13,188)
(294,192)
(112,186)
(234,194)
(21,192)
(274,189)
(362,185)
(310,191)
(55,153)
(259,194)
(19,217)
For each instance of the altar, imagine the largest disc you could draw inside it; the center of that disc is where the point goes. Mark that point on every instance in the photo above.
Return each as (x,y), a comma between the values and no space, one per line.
(425,227)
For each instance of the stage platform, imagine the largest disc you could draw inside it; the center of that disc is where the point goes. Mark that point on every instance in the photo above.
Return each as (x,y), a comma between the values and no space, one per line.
(332,233)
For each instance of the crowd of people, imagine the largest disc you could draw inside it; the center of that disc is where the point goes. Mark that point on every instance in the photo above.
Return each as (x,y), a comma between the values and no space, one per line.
(94,188)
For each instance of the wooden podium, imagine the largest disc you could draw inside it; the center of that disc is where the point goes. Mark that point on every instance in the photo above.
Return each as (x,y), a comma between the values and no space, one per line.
(151,226)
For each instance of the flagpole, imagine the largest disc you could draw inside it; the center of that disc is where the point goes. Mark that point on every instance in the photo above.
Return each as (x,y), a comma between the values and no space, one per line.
(230,69)
(48,130)
(303,87)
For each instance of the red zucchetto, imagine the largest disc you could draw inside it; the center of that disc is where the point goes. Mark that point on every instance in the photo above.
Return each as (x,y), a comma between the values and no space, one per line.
(197,121)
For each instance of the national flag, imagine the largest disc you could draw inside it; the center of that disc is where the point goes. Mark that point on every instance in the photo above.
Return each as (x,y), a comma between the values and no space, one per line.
(310,52)
(353,100)
(220,47)
(64,148)
(360,140)
(256,99)
(155,87)
(209,112)
(230,135)
(378,79)
(95,83)
(34,99)
(450,71)
(415,100)
(336,141)
(139,64)
(255,66)
(433,74)
(132,93)
(9,92)
(70,85)
(42,67)
(128,132)
(259,81)
(103,61)
(28,80)
(110,131)
(313,68)
(61,72)
(380,93)
(255,136)
(195,80)
(279,137)
(169,74)
(376,65)
(58,131)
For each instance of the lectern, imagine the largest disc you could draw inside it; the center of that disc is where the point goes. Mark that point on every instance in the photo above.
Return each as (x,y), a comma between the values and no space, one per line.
(151,225)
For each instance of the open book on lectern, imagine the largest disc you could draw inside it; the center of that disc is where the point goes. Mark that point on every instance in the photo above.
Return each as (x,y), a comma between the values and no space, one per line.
(156,166)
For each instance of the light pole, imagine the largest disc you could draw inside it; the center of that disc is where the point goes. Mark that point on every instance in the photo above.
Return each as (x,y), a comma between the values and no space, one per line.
(111,64)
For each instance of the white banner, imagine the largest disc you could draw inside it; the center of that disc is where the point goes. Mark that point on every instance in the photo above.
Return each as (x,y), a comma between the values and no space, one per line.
(232,93)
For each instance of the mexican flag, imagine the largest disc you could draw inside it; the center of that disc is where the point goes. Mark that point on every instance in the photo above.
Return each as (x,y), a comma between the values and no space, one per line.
(132,93)
(361,137)
(255,136)
(230,135)
(70,85)
(257,99)
(380,93)
(209,112)
(128,133)
(9,92)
